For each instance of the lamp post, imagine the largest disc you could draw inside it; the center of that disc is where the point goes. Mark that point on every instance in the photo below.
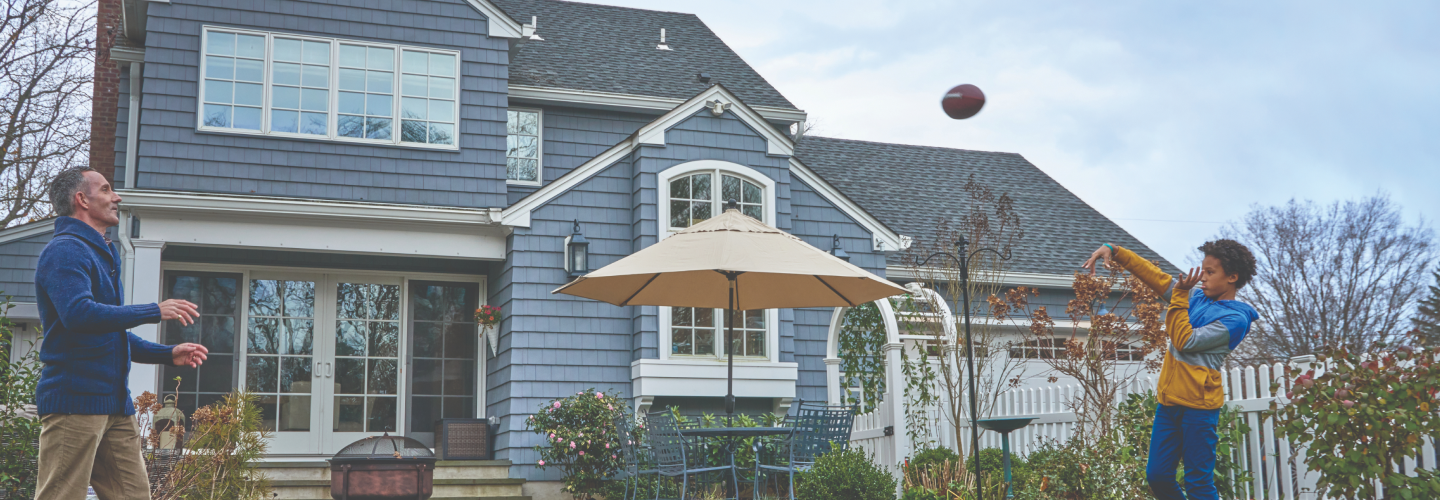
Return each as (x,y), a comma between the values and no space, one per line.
(962,257)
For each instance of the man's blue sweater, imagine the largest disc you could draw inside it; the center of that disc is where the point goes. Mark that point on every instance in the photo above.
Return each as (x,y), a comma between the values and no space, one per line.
(87,350)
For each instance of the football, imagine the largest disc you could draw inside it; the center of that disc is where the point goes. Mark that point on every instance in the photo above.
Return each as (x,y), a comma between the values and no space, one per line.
(963,101)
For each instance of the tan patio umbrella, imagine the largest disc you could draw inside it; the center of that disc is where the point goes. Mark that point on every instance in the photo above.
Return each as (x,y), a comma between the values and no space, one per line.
(734,262)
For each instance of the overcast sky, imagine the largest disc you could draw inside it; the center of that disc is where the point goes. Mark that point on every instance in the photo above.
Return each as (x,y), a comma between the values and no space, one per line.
(1149,111)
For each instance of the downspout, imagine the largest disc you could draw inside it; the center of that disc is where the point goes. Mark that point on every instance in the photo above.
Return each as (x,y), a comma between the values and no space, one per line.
(132,140)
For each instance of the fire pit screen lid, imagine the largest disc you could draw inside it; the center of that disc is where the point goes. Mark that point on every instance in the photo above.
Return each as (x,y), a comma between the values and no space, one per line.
(385,447)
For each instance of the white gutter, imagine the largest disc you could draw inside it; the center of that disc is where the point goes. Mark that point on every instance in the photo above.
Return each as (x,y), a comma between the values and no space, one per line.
(1010,278)
(272,206)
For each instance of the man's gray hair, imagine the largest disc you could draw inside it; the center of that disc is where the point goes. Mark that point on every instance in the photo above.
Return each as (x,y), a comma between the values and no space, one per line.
(63,189)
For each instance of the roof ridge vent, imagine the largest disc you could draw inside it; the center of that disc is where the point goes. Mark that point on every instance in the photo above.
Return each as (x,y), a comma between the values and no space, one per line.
(528,30)
(662,45)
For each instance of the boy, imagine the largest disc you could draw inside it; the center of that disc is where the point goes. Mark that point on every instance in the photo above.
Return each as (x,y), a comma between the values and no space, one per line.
(1204,326)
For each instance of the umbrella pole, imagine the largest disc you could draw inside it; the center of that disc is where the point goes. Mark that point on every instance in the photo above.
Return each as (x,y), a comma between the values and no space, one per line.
(730,350)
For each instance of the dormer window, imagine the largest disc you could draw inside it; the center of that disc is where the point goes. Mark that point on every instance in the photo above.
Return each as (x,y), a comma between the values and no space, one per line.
(522,146)
(697,197)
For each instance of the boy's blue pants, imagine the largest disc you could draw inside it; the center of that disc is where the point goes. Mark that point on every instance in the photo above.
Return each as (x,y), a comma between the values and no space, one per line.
(1187,433)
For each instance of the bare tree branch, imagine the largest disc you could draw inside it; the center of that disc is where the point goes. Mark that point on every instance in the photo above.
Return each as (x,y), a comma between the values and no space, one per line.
(1346,274)
(46,71)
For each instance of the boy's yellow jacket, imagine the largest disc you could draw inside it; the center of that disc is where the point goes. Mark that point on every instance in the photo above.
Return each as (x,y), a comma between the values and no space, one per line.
(1202,333)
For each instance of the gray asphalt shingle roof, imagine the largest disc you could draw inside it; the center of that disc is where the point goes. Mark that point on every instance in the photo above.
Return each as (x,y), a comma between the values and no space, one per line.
(912,188)
(612,49)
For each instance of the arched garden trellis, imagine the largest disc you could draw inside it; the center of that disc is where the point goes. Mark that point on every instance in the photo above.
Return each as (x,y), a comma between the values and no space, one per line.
(889,325)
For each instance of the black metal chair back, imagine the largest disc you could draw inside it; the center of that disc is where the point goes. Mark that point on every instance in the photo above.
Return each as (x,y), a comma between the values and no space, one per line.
(816,428)
(625,430)
(666,443)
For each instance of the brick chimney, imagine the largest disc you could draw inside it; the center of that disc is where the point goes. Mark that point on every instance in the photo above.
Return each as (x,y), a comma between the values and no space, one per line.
(105,106)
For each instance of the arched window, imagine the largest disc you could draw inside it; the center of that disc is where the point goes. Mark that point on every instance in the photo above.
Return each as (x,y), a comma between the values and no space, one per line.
(696,197)
(694,192)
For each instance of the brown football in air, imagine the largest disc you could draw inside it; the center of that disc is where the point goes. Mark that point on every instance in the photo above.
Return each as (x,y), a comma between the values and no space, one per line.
(963,101)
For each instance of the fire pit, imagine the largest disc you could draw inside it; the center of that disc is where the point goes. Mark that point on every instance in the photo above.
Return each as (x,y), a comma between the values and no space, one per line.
(383,468)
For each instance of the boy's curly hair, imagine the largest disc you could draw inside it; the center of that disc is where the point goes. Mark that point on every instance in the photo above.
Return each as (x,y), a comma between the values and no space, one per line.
(1234,259)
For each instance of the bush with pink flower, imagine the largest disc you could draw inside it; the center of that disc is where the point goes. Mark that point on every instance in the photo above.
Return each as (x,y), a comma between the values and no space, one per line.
(579,432)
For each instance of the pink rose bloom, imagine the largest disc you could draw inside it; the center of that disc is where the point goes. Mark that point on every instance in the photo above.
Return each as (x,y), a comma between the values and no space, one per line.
(542,462)
(552,435)
(599,394)
(582,453)
(611,407)
(1348,403)
(572,445)
(607,446)
(612,456)
(557,404)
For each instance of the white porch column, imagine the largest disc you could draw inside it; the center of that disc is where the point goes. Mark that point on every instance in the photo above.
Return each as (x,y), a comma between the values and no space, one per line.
(895,394)
(144,286)
(832,381)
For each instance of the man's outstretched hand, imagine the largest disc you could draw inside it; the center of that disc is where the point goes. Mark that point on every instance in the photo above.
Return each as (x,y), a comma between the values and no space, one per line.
(182,310)
(188,354)
(1103,254)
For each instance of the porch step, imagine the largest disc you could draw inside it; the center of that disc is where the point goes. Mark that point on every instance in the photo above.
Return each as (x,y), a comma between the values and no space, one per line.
(454,480)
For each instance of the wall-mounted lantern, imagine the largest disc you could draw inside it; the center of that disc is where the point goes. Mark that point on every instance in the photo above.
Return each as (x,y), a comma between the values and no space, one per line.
(577,253)
(837,251)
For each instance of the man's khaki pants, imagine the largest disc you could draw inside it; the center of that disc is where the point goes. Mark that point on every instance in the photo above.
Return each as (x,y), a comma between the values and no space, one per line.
(102,451)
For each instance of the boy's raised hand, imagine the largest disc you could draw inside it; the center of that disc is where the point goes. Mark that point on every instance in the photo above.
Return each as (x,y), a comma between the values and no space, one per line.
(1102,254)
(1188,280)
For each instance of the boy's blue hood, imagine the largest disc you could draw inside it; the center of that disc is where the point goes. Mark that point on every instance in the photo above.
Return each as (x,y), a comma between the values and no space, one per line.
(1235,315)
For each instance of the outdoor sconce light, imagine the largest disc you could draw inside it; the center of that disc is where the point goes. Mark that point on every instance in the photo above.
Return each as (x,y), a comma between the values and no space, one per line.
(837,251)
(577,253)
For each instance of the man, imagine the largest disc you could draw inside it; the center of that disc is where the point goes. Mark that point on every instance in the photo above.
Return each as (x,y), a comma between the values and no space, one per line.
(88,433)
(1204,326)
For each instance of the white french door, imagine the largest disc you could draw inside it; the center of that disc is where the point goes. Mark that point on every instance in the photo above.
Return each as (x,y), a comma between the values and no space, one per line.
(322,352)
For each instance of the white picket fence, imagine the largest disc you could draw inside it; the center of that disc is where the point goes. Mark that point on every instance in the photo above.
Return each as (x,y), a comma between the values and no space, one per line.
(1276,466)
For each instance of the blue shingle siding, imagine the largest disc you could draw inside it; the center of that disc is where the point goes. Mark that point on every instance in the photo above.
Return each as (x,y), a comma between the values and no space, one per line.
(18,259)
(817,221)
(556,345)
(174,156)
(572,136)
(122,126)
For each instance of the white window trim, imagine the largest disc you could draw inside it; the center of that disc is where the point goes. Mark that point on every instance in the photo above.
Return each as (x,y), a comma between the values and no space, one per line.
(663,179)
(663,230)
(540,149)
(402,278)
(332,109)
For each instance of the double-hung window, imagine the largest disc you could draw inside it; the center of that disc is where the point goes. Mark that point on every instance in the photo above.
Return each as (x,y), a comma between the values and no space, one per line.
(522,146)
(343,90)
(692,198)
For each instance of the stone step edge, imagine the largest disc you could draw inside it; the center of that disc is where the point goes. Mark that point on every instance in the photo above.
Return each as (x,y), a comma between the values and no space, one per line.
(297,483)
(441,463)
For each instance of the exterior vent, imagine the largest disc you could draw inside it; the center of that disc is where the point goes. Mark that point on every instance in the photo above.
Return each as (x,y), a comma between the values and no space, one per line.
(703,77)
(662,45)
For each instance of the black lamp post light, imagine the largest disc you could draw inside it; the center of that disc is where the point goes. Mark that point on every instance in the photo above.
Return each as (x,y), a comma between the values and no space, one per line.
(838,252)
(962,256)
(577,253)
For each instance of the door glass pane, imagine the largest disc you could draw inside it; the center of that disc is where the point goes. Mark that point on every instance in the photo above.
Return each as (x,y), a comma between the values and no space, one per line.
(218,298)
(280,343)
(443,353)
(367,333)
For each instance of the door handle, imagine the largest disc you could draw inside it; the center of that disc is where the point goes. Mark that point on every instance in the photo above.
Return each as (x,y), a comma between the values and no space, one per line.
(317,369)
(329,369)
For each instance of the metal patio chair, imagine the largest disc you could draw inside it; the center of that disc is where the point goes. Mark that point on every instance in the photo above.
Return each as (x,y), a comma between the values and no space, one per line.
(674,454)
(816,429)
(637,457)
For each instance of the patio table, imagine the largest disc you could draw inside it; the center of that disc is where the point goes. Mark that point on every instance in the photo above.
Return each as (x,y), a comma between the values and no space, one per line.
(732,433)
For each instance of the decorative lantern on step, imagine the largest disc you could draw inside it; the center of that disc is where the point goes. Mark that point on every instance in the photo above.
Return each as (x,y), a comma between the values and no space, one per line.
(170,425)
